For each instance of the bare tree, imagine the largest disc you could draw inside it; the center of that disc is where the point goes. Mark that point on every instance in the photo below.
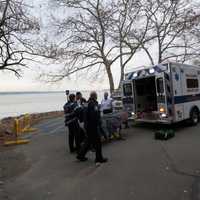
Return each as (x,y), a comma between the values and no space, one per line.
(95,36)
(13,23)
(170,25)
(133,30)
(125,18)
(195,36)
(101,34)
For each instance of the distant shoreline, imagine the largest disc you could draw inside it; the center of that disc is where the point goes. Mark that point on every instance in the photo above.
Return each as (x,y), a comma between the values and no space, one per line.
(14,103)
(36,92)
(43,92)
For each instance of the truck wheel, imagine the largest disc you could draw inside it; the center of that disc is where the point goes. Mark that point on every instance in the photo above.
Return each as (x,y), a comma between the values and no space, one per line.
(194,117)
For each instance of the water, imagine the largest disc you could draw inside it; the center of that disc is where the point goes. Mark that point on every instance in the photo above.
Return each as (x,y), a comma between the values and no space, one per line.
(14,104)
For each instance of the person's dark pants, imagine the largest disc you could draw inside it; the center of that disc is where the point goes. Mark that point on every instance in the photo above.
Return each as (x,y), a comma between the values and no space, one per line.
(74,135)
(93,140)
(82,135)
(102,132)
(107,111)
(126,124)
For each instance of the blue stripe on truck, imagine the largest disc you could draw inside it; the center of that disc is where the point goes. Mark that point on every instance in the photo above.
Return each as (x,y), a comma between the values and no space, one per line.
(186,98)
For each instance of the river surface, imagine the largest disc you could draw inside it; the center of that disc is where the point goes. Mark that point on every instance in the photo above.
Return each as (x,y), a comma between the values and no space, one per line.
(17,103)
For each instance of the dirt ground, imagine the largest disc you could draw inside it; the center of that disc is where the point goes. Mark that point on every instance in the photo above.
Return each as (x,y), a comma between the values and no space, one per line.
(139,167)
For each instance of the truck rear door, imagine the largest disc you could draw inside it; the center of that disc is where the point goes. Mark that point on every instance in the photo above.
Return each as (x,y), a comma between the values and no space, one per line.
(128,96)
(161,94)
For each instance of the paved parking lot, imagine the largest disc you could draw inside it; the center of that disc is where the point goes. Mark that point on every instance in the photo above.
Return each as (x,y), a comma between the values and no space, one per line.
(139,167)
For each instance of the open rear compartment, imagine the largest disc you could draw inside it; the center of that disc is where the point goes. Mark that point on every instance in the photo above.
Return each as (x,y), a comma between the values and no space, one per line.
(146,98)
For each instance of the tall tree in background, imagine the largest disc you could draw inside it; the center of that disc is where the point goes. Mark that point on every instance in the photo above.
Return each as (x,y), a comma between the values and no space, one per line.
(195,36)
(107,34)
(171,23)
(125,19)
(132,31)
(86,42)
(14,22)
(95,36)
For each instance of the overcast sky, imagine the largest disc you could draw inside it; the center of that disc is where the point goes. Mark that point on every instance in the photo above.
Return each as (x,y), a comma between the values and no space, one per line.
(29,82)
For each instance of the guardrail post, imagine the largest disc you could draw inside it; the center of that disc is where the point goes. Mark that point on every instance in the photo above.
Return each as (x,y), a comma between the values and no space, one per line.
(17,130)
(27,124)
(26,120)
(16,127)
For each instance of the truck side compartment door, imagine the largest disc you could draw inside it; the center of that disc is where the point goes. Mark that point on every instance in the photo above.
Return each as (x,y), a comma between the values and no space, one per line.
(177,93)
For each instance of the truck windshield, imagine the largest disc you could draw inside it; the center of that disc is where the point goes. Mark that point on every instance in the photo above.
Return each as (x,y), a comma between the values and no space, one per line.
(160,85)
(127,88)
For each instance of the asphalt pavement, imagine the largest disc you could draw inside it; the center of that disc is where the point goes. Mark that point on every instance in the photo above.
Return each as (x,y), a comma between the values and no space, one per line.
(139,167)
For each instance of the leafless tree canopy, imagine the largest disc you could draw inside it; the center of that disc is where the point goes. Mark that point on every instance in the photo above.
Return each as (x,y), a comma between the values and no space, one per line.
(14,22)
(87,42)
(107,34)
(97,35)
(132,30)
(171,24)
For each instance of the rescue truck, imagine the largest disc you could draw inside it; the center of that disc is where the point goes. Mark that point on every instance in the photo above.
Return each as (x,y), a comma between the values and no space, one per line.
(165,93)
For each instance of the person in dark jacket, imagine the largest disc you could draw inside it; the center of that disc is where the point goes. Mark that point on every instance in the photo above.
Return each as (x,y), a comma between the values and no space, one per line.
(91,123)
(71,121)
(79,111)
(80,102)
(79,99)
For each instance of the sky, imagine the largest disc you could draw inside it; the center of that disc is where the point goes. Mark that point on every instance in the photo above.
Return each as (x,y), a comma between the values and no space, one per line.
(29,80)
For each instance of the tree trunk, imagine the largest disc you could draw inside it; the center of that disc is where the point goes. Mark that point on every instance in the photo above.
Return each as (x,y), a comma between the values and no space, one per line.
(121,77)
(110,78)
(159,52)
(159,58)
(121,64)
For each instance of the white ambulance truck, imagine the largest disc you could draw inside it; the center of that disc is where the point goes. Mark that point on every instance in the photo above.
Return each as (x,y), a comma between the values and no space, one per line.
(164,93)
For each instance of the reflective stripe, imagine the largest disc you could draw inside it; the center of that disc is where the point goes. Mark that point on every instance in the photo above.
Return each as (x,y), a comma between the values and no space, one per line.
(186,98)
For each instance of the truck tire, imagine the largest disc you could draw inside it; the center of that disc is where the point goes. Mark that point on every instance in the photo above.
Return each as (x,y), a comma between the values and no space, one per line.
(194,116)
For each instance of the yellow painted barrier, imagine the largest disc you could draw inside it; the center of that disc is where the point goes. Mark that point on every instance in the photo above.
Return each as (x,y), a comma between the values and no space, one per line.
(21,125)
(16,142)
(27,124)
(16,127)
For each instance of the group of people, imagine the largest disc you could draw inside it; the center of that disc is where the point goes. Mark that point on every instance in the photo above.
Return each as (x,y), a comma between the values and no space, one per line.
(83,119)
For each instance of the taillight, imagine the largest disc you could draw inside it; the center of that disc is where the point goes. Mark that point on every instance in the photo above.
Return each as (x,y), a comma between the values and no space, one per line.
(162,110)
